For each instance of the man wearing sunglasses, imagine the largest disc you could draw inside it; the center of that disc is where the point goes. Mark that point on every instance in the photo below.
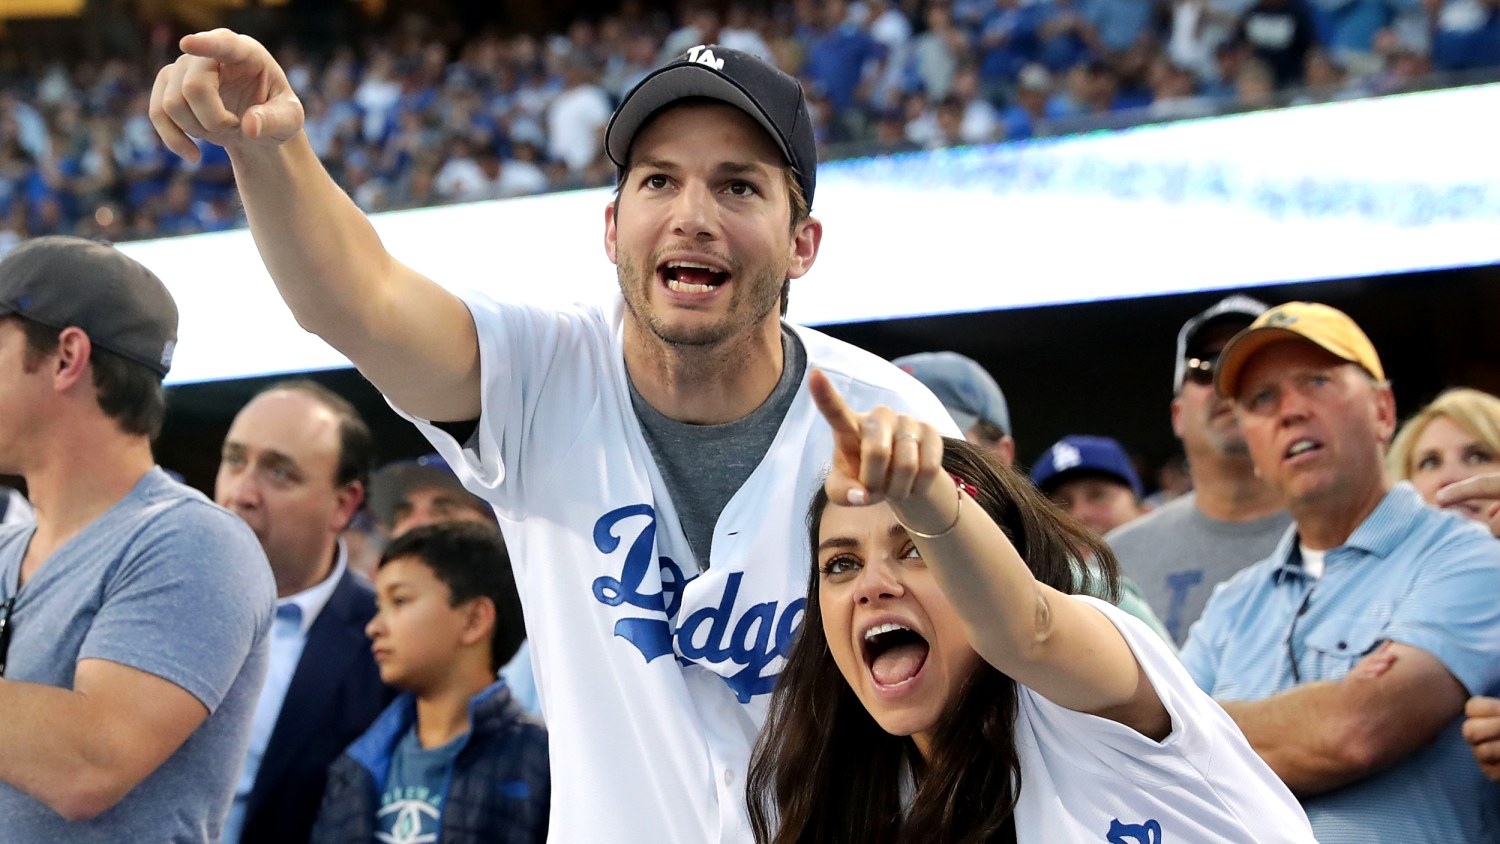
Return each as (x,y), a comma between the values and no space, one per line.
(134,613)
(1179,552)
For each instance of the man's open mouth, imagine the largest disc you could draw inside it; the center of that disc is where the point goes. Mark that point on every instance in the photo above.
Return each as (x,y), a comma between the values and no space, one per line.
(1300,447)
(691,276)
(895,654)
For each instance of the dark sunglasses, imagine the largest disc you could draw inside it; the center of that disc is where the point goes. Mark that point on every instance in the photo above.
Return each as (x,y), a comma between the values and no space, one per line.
(1200,371)
(5,628)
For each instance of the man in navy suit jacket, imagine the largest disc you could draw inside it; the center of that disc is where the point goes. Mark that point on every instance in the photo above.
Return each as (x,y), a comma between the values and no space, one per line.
(294,466)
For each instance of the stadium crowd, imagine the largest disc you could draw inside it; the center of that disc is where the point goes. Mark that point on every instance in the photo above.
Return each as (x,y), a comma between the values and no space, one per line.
(419,112)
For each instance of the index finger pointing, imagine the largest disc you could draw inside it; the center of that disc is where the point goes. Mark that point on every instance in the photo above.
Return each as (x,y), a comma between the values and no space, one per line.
(845,422)
(222,45)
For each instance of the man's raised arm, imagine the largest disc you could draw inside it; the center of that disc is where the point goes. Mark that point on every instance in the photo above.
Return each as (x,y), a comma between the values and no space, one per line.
(414,340)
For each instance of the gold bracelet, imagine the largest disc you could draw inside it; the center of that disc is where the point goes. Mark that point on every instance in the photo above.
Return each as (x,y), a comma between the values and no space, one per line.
(957,511)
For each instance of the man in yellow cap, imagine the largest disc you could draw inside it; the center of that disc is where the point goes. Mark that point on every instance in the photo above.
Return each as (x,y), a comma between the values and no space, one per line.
(1366,569)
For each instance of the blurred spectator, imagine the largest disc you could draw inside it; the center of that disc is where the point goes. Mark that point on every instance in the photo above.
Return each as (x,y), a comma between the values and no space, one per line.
(1280,32)
(1324,80)
(1033,93)
(702,25)
(1007,42)
(1118,23)
(1348,28)
(1255,86)
(1174,93)
(1196,29)
(1065,37)
(979,120)
(892,31)
(1173,481)
(970,395)
(576,118)
(936,53)
(1465,33)
(1180,551)
(841,59)
(411,493)
(1230,57)
(1091,478)
(1091,89)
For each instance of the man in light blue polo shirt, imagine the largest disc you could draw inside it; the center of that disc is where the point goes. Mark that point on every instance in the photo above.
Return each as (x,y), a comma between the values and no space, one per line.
(1367,568)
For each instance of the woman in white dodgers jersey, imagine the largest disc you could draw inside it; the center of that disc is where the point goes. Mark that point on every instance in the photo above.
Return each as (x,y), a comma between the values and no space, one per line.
(950,686)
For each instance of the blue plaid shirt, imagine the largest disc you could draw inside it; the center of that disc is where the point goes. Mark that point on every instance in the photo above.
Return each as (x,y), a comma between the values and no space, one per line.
(498,792)
(1410,574)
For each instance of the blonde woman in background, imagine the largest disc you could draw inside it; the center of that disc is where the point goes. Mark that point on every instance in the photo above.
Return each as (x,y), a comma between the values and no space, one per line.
(1452,439)
(1455,438)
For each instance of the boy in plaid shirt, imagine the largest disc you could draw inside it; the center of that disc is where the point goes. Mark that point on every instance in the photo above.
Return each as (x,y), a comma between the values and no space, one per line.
(454,758)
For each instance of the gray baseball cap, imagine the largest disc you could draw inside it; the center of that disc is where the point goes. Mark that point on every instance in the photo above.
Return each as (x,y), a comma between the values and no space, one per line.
(391,482)
(1234,311)
(963,386)
(63,282)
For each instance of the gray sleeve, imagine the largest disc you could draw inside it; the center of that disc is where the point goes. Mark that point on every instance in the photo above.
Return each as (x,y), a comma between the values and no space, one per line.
(189,601)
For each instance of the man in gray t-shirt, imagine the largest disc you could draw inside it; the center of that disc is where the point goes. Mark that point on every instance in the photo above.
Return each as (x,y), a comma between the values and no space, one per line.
(1179,552)
(134,614)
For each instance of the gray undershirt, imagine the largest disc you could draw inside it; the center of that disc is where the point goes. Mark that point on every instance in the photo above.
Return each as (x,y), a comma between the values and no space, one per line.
(704,465)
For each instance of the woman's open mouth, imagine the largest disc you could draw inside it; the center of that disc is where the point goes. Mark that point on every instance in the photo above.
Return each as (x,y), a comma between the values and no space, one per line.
(895,654)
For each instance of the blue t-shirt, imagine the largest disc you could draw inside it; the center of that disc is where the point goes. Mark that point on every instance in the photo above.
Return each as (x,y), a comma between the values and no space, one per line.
(1410,574)
(411,806)
(168,583)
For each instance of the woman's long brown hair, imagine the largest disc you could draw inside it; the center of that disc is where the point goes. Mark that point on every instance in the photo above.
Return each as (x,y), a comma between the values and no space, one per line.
(824,772)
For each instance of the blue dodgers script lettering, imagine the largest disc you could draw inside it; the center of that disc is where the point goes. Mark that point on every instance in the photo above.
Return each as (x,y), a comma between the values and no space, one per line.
(751,638)
(1133,833)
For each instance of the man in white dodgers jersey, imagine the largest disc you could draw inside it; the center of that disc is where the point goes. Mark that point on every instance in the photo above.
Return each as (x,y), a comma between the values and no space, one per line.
(651,459)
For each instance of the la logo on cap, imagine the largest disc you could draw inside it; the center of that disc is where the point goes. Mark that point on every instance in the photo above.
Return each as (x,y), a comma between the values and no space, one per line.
(1065,456)
(704,56)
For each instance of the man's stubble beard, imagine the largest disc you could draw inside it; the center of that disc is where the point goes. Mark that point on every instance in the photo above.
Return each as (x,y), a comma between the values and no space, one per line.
(760,295)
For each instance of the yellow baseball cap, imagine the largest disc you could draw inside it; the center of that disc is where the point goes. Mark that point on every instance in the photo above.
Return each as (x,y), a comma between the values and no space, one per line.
(1329,328)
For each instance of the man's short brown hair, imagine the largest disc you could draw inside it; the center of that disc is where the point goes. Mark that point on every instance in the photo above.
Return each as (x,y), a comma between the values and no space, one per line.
(128,392)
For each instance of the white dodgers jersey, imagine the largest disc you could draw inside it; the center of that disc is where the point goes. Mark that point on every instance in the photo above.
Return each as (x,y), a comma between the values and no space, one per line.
(654,675)
(1089,779)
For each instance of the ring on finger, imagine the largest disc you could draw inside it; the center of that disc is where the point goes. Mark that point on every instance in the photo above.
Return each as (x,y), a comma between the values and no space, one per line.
(907,435)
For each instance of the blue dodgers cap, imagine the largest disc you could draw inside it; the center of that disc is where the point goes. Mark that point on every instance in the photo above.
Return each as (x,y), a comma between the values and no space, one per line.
(1077,455)
(63,282)
(963,386)
(759,89)
(391,482)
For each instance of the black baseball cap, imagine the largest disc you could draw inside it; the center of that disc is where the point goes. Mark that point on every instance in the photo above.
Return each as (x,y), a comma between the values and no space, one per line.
(391,483)
(773,98)
(63,282)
